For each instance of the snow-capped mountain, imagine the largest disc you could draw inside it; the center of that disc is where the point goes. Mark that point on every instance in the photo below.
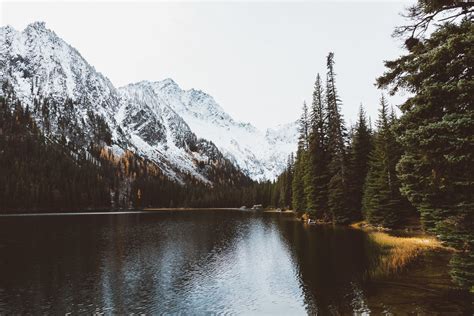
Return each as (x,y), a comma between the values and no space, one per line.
(261,155)
(40,63)
(183,132)
(160,134)
(45,72)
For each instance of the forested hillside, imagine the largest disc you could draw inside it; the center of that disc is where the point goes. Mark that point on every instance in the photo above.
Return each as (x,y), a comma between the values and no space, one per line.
(40,172)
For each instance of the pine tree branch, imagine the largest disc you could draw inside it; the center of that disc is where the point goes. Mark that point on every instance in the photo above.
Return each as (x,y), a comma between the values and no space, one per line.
(424,19)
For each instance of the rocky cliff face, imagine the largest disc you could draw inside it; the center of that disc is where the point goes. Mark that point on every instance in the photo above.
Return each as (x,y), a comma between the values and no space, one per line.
(261,155)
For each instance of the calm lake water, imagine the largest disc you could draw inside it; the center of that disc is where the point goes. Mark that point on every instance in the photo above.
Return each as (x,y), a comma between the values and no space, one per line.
(205,262)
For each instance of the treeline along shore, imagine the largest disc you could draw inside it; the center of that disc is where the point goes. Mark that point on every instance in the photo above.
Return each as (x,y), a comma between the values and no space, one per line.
(415,169)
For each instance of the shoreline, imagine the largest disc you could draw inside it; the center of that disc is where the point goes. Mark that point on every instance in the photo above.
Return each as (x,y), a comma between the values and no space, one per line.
(183,209)
(141,211)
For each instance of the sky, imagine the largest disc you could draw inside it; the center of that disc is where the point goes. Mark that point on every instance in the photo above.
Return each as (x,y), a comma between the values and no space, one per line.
(259,60)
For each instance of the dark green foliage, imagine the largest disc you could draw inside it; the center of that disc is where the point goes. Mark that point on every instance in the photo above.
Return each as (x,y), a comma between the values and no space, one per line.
(308,176)
(299,201)
(318,172)
(436,131)
(298,184)
(383,204)
(322,182)
(287,193)
(282,190)
(37,173)
(101,130)
(361,146)
(338,184)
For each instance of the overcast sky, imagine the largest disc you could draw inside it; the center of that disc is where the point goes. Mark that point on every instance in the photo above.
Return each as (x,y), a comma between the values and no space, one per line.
(258,60)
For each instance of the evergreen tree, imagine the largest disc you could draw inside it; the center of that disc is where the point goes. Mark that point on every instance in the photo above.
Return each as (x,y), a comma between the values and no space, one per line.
(382,201)
(304,128)
(318,154)
(338,186)
(299,198)
(285,181)
(436,129)
(300,167)
(361,147)
(39,173)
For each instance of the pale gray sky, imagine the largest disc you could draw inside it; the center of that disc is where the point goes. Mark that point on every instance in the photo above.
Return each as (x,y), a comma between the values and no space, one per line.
(258,60)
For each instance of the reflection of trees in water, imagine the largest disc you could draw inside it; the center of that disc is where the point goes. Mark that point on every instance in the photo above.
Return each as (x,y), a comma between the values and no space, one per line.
(332,263)
(49,268)
(424,287)
(343,271)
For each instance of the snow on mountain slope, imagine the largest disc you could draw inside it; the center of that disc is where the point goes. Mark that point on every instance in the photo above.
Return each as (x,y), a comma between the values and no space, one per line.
(261,155)
(160,134)
(40,65)
(183,132)
(71,100)
(282,141)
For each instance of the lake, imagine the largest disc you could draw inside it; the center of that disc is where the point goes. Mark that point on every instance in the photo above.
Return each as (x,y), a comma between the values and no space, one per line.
(200,262)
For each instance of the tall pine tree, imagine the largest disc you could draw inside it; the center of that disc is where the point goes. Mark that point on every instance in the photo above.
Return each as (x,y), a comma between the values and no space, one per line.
(382,201)
(318,154)
(338,186)
(361,146)
(300,167)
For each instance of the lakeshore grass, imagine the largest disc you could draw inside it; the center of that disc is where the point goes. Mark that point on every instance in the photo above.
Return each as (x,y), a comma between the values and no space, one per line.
(398,251)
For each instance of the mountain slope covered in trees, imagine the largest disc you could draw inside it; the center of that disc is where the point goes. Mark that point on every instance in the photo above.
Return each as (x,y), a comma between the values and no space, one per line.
(40,172)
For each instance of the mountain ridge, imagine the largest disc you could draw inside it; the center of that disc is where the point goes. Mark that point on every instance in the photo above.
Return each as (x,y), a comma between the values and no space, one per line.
(178,129)
(258,153)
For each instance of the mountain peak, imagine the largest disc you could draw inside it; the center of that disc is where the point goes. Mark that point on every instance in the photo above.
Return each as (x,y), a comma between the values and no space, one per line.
(168,81)
(198,92)
(38,25)
(8,28)
(167,84)
(39,28)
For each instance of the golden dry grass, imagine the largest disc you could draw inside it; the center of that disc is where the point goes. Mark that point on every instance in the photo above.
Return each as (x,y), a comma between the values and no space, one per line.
(397,252)
(358,225)
(400,251)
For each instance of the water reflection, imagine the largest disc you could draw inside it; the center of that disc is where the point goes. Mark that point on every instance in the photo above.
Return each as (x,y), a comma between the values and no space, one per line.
(232,262)
(331,262)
